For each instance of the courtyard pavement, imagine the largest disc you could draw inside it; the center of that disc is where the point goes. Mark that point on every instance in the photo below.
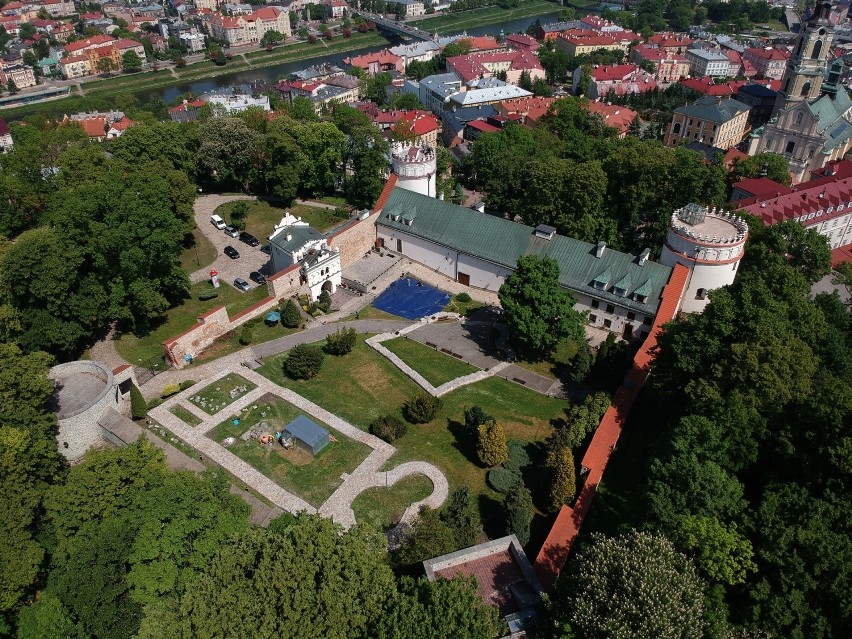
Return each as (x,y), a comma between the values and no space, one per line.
(339,505)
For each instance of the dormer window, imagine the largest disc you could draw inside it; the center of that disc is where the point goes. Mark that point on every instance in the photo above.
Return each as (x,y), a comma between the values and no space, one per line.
(601,282)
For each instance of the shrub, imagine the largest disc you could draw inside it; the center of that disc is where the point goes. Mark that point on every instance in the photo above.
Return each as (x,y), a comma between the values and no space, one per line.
(290,315)
(388,428)
(491,448)
(474,416)
(169,390)
(519,512)
(246,335)
(210,295)
(312,38)
(324,301)
(464,298)
(519,458)
(421,409)
(462,515)
(341,342)
(564,482)
(502,479)
(186,384)
(580,364)
(347,33)
(138,407)
(303,362)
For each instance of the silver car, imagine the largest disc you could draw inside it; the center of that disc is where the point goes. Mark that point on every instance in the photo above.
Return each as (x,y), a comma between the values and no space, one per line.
(241,284)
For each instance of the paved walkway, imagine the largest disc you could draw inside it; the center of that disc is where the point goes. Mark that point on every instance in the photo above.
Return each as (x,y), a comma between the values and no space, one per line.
(339,505)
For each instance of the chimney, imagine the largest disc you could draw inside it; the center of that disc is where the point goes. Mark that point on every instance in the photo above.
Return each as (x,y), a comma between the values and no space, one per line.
(289,237)
(643,256)
(599,249)
(479,206)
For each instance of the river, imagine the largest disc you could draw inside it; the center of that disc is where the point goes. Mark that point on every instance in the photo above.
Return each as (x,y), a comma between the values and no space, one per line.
(273,73)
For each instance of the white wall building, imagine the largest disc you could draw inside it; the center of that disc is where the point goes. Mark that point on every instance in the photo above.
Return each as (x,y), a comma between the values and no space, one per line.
(710,63)
(710,244)
(416,168)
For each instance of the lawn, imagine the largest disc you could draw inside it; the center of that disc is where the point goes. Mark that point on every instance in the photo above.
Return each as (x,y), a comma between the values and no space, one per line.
(384,507)
(221,393)
(363,385)
(185,415)
(200,254)
(371,312)
(147,350)
(263,216)
(312,478)
(487,15)
(230,342)
(552,366)
(435,366)
(463,308)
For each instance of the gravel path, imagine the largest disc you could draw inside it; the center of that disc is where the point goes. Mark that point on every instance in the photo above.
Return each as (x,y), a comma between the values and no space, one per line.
(339,505)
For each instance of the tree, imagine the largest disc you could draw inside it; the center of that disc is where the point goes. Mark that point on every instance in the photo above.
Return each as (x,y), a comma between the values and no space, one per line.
(290,315)
(474,416)
(341,342)
(635,585)
(424,609)
(271,37)
(525,81)
(563,484)
(635,128)
(388,428)
(773,165)
(239,213)
(537,310)
(491,449)
(230,153)
(461,513)
(722,554)
(421,408)
(540,88)
(332,584)
(131,62)
(427,537)
(106,65)
(519,512)
(47,618)
(303,361)
(581,364)
(377,87)
(138,406)
(405,101)
(11,87)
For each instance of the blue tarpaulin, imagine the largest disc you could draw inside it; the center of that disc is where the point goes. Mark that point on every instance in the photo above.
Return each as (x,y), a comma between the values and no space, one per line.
(411,299)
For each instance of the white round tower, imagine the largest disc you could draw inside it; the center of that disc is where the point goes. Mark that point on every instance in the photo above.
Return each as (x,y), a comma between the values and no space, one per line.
(710,244)
(416,167)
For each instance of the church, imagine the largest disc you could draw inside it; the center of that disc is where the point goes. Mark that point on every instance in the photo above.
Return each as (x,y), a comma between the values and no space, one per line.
(810,124)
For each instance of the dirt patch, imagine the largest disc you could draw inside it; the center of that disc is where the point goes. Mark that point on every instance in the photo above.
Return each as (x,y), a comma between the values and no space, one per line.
(296,455)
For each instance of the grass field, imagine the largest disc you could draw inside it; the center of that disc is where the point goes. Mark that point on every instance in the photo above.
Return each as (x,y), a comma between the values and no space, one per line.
(147,349)
(312,478)
(436,367)
(384,507)
(463,308)
(371,312)
(216,396)
(200,254)
(263,216)
(487,15)
(184,415)
(363,385)
(553,365)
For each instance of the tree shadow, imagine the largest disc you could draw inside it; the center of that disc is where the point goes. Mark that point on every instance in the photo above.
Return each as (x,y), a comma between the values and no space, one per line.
(465,441)
(493,518)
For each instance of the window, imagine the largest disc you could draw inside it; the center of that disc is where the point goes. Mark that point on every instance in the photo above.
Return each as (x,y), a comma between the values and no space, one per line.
(676,128)
(610,308)
(646,321)
(596,304)
(641,298)
(790,146)
(799,117)
(593,319)
(806,88)
(631,315)
(701,294)
(607,323)
(816,50)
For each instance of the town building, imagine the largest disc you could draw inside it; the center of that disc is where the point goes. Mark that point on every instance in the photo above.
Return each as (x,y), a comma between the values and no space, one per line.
(377,62)
(671,42)
(528,110)
(668,67)
(621,292)
(434,91)
(416,52)
(823,203)
(621,79)
(334,89)
(336,9)
(454,124)
(708,63)
(711,244)
(760,100)
(485,65)
(250,28)
(713,120)
(414,125)
(810,123)
(484,96)
(296,244)
(521,42)
(20,74)
(416,167)
(75,66)
(413,8)
(768,62)
(231,103)
(576,42)
(614,115)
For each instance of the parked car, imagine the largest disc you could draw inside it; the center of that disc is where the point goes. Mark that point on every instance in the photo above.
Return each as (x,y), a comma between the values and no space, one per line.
(217,221)
(231,252)
(257,276)
(249,239)
(230,231)
(266,249)
(241,284)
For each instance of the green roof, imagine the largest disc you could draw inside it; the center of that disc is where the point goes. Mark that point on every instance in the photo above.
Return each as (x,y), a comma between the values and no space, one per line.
(502,242)
(299,236)
(830,111)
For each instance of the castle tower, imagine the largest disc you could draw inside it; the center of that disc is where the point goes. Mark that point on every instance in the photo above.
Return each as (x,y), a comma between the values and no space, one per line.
(807,66)
(416,167)
(710,244)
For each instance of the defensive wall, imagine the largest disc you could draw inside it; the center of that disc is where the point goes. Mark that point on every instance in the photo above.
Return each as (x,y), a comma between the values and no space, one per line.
(556,548)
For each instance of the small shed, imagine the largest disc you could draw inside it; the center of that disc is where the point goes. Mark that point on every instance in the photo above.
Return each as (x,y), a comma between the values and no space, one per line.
(307,435)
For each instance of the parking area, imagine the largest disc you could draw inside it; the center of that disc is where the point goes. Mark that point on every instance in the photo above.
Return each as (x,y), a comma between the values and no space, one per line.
(250,259)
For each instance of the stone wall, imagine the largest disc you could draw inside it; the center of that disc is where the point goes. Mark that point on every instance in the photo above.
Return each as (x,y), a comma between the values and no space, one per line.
(355,240)
(285,283)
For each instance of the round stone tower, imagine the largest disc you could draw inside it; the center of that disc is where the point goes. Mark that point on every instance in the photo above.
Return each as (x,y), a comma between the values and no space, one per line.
(710,244)
(416,167)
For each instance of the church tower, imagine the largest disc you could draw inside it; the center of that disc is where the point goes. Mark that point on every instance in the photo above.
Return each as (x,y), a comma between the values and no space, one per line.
(807,66)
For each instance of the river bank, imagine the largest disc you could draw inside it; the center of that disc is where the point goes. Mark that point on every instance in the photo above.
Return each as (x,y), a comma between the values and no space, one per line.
(456,22)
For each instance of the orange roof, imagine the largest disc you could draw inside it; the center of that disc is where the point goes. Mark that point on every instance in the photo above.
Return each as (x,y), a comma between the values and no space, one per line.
(531,108)
(73,58)
(482,43)
(587,37)
(768,53)
(94,41)
(386,193)
(670,40)
(94,127)
(612,114)
(123,124)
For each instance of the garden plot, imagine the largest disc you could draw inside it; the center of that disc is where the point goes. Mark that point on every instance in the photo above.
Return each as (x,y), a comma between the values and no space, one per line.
(222,393)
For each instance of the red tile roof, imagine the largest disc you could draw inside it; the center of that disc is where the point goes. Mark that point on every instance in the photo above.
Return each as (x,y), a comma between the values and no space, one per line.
(841,254)
(495,575)
(94,41)
(762,187)
(613,115)
(386,193)
(609,73)
(708,86)
(482,43)
(94,127)
(556,548)
(655,53)
(670,40)
(587,37)
(380,57)
(482,125)
(768,53)
(474,65)
(531,108)
(523,42)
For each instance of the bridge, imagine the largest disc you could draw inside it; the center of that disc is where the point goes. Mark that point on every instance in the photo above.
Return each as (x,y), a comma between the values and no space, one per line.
(397,27)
